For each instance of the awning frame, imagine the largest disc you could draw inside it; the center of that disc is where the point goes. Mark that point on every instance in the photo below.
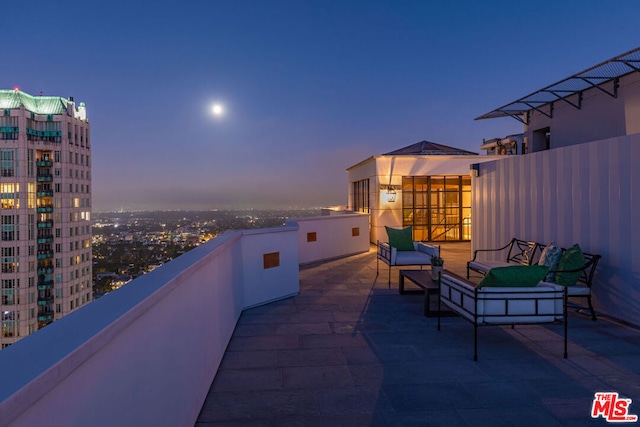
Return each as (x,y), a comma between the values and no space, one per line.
(598,77)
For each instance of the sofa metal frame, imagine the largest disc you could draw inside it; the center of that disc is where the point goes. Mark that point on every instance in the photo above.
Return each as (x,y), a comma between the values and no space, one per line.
(520,252)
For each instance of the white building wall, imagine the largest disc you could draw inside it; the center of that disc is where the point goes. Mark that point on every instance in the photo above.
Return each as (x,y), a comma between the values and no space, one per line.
(583,194)
(600,117)
(385,170)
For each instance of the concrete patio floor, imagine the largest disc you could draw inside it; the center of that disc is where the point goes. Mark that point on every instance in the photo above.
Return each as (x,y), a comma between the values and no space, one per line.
(350,351)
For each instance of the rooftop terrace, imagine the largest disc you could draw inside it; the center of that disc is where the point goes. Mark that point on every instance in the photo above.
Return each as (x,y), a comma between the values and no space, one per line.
(348,350)
(334,346)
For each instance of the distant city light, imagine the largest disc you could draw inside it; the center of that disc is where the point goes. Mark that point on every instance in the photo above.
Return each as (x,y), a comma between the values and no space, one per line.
(217,109)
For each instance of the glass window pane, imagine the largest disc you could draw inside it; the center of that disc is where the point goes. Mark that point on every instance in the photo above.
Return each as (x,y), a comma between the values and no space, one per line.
(420,183)
(466,214)
(421,216)
(466,183)
(407,183)
(466,199)
(437,216)
(407,216)
(436,198)
(453,233)
(437,183)
(420,234)
(407,199)
(453,216)
(451,198)
(452,183)
(421,199)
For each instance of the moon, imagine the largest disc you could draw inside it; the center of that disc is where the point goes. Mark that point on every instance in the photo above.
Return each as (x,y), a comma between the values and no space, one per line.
(217,109)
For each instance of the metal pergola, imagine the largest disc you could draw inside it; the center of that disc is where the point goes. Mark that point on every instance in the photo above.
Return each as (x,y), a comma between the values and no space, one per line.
(604,77)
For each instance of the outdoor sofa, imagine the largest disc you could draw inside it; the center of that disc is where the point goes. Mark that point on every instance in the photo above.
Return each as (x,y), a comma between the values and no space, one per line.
(521,252)
(517,251)
(537,303)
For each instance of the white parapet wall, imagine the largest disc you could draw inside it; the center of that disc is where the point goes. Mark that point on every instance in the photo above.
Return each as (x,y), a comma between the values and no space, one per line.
(146,354)
(331,236)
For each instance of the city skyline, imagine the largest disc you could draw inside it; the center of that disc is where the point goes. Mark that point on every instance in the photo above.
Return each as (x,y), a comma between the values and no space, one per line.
(307,88)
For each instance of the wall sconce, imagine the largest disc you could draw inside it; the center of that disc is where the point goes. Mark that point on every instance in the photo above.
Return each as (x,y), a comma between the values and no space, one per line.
(475,169)
(391,195)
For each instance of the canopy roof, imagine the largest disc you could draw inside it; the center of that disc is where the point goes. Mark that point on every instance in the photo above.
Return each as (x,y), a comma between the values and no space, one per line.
(594,77)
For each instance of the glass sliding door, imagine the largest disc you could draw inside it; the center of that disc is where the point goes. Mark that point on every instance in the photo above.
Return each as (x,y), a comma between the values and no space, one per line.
(438,207)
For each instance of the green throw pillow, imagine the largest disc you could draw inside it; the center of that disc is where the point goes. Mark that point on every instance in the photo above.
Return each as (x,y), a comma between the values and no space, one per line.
(517,276)
(402,240)
(572,259)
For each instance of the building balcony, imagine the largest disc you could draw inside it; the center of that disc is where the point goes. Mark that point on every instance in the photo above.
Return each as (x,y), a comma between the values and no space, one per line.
(45,224)
(47,193)
(44,178)
(45,254)
(47,270)
(45,285)
(44,163)
(44,209)
(45,239)
(45,301)
(43,133)
(260,337)
(45,316)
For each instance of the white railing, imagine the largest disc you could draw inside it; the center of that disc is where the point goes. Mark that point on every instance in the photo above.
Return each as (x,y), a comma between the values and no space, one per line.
(147,353)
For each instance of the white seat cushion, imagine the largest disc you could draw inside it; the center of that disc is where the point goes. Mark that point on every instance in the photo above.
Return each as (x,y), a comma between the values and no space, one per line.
(578,290)
(488,265)
(539,304)
(412,258)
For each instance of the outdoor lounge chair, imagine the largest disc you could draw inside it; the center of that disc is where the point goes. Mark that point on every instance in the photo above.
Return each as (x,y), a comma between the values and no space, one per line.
(421,255)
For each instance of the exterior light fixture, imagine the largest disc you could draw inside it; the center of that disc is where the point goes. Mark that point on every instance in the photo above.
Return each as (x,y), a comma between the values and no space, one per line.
(475,170)
(391,194)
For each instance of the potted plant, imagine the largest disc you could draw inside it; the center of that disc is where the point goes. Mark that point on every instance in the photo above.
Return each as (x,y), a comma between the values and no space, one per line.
(437,264)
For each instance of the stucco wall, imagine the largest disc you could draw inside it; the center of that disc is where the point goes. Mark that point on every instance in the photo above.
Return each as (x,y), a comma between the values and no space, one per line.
(379,169)
(585,194)
(601,116)
(145,355)
(332,236)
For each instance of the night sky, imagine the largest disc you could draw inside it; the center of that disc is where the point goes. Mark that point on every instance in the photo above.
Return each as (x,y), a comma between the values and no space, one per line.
(309,87)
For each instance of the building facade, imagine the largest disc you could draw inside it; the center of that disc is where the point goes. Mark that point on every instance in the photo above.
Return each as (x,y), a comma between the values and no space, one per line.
(424,185)
(45,211)
(577,182)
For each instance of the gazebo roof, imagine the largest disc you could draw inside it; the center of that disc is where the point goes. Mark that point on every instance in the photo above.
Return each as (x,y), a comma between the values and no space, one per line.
(427,148)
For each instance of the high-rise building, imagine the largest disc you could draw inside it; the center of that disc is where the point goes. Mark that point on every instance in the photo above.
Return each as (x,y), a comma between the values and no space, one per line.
(45,211)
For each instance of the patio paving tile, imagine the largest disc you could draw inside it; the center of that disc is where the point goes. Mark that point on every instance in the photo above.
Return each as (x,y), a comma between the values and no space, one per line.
(316,377)
(350,351)
(311,357)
